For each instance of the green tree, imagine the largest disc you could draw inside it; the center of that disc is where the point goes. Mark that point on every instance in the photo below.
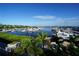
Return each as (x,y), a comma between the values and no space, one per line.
(31,46)
(25,43)
(18,51)
(34,50)
(42,36)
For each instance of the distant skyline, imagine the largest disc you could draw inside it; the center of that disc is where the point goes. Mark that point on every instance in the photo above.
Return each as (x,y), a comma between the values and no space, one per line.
(40,14)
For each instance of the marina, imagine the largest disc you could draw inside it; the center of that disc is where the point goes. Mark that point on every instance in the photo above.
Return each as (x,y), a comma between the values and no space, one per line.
(39,29)
(33,32)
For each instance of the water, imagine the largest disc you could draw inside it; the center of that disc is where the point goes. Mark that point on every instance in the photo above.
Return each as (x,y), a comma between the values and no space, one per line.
(48,30)
(2,45)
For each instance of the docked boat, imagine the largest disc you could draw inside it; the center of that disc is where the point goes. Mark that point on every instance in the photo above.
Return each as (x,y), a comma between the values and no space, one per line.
(33,29)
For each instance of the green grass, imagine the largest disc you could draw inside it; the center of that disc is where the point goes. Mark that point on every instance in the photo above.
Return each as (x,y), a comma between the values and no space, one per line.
(11,37)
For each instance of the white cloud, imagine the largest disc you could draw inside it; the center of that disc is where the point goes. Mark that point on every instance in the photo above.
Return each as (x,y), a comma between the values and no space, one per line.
(44,17)
(59,20)
(72,18)
(73,21)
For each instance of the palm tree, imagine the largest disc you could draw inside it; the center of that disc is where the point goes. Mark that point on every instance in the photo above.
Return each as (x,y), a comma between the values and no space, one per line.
(25,43)
(41,37)
(34,50)
(31,47)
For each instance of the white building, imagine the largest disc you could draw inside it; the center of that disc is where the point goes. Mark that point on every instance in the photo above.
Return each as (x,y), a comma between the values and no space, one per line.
(10,47)
(64,35)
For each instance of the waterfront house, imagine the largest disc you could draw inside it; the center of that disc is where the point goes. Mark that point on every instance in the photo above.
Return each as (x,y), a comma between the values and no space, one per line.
(11,47)
(64,35)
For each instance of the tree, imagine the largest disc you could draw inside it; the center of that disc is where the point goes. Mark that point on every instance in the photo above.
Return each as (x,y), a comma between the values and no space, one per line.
(25,43)
(18,52)
(34,50)
(42,36)
(31,46)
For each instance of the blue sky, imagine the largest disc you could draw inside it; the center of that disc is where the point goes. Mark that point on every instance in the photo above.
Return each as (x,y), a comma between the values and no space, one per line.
(40,14)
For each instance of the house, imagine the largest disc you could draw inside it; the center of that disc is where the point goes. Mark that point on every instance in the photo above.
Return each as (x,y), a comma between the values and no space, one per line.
(11,47)
(64,35)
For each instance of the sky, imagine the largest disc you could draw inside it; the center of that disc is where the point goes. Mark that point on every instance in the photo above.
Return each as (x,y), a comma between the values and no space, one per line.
(40,14)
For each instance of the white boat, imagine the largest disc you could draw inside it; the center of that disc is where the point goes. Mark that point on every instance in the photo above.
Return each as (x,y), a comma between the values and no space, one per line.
(12,30)
(24,30)
(33,29)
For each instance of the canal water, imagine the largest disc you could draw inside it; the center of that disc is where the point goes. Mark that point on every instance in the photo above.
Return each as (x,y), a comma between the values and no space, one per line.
(47,30)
